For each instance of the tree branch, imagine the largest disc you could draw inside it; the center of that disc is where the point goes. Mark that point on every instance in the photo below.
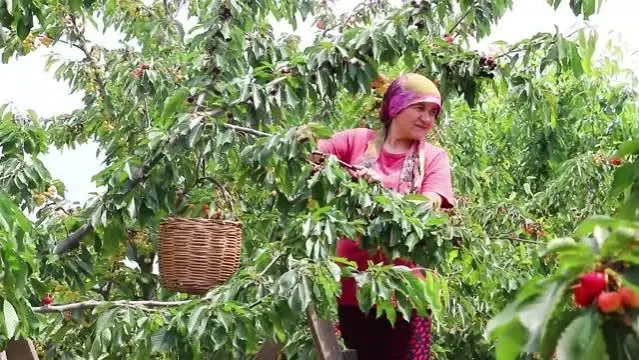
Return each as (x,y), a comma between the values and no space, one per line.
(246,130)
(118,303)
(142,173)
(142,304)
(73,239)
(84,46)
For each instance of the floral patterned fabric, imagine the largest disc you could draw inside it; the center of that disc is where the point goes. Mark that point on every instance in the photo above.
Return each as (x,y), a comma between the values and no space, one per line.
(375,339)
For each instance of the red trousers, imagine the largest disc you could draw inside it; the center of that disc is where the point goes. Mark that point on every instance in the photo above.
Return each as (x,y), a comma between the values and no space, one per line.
(376,339)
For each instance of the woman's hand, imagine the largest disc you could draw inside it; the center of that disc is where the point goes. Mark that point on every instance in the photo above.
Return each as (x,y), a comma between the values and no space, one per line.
(435,198)
(370,175)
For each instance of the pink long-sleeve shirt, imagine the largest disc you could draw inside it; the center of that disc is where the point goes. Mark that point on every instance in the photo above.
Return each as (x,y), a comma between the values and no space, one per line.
(348,146)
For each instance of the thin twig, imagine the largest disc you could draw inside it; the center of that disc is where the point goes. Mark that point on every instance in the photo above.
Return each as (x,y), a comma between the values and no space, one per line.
(268,267)
(72,44)
(222,188)
(344,164)
(350,16)
(522,240)
(459,21)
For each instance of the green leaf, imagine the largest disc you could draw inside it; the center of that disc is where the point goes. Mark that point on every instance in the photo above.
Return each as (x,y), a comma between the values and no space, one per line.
(96,348)
(114,232)
(588,8)
(287,281)
(96,216)
(509,344)
(364,297)
(555,3)
(257,99)
(628,148)
(296,301)
(105,320)
(76,5)
(172,103)
(588,225)
(39,287)
(320,130)
(334,269)
(132,208)
(194,318)
(127,169)
(527,189)
(583,339)
(157,339)
(11,215)
(411,241)
(11,319)
(621,341)
(631,276)
(624,177)
(533,312)
(556,326)
(571,253)
(416,197)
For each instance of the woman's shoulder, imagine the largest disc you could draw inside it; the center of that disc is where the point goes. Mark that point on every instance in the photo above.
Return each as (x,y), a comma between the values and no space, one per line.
(364,133)
(435,149)
(354,136)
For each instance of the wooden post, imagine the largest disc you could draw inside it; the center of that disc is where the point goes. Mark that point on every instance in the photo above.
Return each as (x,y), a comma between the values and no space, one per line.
(326,343)
(349,354)
(270,350)
(21,349)
(324,336)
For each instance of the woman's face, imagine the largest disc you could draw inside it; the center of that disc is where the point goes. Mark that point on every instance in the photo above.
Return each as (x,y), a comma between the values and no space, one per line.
(414,122)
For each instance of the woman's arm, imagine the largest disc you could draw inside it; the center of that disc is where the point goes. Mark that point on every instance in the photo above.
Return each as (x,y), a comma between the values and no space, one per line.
(343,144)
(437,184)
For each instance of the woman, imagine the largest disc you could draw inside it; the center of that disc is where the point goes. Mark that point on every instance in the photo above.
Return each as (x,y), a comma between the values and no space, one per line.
(399,158)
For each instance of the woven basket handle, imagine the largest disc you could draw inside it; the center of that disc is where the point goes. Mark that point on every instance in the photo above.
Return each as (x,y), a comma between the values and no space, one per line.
(225,193)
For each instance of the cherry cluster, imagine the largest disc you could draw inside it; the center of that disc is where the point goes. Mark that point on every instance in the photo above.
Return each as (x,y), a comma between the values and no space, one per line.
(225,13)
(139,71)
(599,287)
(488,62)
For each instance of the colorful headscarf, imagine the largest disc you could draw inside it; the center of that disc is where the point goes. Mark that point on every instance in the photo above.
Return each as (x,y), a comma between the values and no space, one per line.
(407,90)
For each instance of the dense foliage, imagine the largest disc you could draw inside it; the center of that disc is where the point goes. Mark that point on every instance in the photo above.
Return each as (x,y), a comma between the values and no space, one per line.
(537,136)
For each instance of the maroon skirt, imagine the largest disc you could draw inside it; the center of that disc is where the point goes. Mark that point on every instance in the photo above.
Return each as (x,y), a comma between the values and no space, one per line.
(376,339)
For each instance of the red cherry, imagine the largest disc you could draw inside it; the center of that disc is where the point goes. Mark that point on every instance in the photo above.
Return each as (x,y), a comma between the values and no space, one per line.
(616,161)
(582,297)
(47,300)
(609,302)
(629,298)
(448,38)
(593,282)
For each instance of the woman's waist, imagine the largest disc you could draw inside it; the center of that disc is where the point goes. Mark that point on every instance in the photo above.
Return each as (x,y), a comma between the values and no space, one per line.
(351,250)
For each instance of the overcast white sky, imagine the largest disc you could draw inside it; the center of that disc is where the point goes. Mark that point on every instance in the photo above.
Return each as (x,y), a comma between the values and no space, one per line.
(25,84)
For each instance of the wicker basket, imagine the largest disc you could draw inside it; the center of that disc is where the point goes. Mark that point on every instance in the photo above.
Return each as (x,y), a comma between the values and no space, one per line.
(195,255)
(198,254)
